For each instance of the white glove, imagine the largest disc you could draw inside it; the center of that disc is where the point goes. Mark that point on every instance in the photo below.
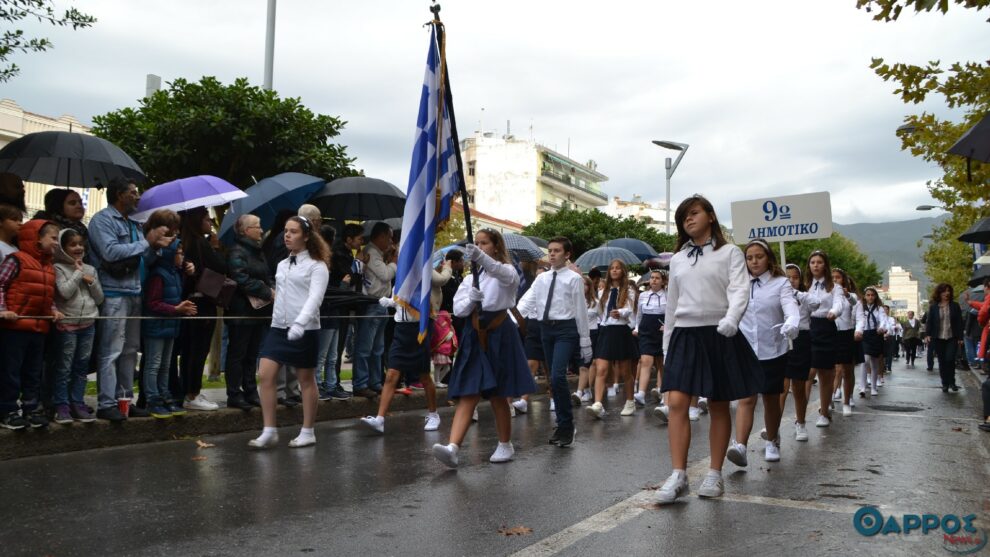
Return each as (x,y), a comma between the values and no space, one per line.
(296,331)
(476,295)
(473,253)
(386,302)
(726,328)
(789,331)
(585,354)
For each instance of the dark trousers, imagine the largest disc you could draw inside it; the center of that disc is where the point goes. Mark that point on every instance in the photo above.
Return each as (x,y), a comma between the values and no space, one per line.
(985,389)
(945,351)
(195,338)
(346,330)
(243,344)
(889,346)
(21,357)
(910,349)
(930,355)
(560,343)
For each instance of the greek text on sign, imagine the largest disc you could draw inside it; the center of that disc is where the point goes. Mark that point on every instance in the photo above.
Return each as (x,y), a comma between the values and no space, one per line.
(784,218)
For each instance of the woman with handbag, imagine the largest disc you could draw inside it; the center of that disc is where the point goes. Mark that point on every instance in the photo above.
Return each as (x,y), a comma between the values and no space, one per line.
(196,335)
(944,333)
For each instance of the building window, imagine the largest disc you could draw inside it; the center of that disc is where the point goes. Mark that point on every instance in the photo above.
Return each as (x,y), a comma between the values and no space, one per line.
(471,168)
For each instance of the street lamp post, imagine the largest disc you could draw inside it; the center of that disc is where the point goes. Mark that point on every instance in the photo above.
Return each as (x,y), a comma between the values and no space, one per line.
(671,166)
(270,46)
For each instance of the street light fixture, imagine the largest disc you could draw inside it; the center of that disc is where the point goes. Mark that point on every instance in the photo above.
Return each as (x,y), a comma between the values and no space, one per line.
(906,128)
(927,207)
(671,166)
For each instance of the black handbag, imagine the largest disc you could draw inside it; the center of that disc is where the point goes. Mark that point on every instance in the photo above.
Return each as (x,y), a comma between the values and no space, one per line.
(216,287)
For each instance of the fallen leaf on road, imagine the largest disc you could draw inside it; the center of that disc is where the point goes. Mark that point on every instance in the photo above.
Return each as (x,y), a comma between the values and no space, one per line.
(957,429)
(199,458)
(203,445)
(515,531)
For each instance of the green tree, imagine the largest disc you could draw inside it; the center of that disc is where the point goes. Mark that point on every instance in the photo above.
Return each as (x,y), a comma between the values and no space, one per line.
(455,231)
(842,252)
(964,86)
(238,132)
(13,40)
(590,229)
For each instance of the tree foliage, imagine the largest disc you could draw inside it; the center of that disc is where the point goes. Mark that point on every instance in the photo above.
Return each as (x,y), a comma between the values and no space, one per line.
(842,252)
(238,132)
(590,229)
(454,231)
(13,40)
(964,86)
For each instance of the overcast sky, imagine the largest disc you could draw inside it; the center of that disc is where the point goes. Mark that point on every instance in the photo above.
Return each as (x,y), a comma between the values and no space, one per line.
(774,97)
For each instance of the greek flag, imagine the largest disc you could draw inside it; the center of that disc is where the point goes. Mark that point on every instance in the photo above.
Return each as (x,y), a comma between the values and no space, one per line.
(434,179)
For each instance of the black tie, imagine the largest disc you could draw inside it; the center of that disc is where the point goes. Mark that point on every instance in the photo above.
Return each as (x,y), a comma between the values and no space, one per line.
(752,287)
(818,286)
(613,297)
(546,308)
(650,298)
(292,260)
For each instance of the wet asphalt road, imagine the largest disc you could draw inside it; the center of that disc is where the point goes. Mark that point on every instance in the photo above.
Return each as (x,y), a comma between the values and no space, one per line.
(357,493)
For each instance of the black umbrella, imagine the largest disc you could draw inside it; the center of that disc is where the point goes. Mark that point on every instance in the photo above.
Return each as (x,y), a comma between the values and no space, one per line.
(979,233)
(359,198)
(974,144)
(979,276)
(67,159)
(640,249)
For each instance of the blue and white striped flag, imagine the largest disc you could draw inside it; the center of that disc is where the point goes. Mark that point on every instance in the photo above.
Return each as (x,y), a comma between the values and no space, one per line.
(434,179)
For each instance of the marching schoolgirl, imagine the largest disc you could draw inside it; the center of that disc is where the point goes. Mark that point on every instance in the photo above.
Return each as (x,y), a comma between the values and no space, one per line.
(826,300)
(651,305)
(772,317)
(293,339)
(845,348)
(871,324)
(799,358)
(586,369)
(492,362)
(616,304)
(533,343)
(707,295)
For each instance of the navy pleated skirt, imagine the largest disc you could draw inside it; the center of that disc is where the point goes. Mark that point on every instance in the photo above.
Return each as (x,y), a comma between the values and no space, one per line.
(534,340)
(300,353)
(406,354)
(701,362)
(845,347)
(872,343)
(774,371)
(616,343)
(823,335)
(501,370)
(650,337)
(799,358)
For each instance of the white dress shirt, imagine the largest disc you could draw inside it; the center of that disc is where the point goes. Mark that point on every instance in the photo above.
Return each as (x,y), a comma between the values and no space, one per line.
(847,317)
(568,300)
(805,309)
(299,290)
(498,283)
(378,275)
(626,312)
(593,317)
(871,319)
(823,302)
(771,304)
(705,288)
(651,303)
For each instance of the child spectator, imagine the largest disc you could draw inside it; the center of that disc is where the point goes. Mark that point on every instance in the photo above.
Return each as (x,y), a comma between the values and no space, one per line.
(27,287)
(78,296)
(443,346)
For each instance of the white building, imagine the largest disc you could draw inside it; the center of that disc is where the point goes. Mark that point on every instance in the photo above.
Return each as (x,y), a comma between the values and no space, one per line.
(654,214)
(903,290)
(520,180)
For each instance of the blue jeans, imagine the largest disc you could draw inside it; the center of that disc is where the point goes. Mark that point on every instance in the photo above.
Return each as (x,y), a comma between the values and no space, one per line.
(21,358)
(154,367)
(327,358)
(369,345)
(972,344)
(72,365)
(119,343)
(560,343)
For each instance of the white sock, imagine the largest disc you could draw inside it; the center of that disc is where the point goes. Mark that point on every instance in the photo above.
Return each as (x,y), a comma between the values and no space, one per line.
(453,447)
(381,419)
(269,430)
(714,472)
(306,432)
(641,393)
(505,445)
(267,434)
(680,472)
(615,386)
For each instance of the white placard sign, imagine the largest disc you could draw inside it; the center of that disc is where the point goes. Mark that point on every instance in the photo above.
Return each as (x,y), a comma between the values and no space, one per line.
(784,218)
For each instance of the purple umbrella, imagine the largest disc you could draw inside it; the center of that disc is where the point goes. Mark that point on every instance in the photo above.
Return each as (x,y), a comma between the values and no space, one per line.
(186,193)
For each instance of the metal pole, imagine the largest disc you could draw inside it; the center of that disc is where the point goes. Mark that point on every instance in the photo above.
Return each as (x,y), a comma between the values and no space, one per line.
(270,46)
(783,255)
(667,164)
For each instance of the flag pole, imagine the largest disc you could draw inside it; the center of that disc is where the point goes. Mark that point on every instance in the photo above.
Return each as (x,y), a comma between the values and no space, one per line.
(447,98)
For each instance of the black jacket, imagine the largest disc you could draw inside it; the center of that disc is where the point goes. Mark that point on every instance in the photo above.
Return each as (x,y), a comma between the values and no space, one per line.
(933,325)
(246,266)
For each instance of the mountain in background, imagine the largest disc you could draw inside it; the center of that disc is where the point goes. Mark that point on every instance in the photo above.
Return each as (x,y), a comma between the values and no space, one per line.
(893,243)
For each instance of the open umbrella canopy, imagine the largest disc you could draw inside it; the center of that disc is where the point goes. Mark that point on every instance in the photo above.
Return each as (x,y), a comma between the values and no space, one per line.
(522,248)
(359,198)
(68,159)
(640,249)
(187,193)
(979,233)
(979,276)
(265,199)
(602,257)
(540,242)
(974,144)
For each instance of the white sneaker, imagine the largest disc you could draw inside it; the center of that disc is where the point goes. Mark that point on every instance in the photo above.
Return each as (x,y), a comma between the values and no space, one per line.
(521,406)
(703,405)
(512,411)
(553,405)
(676,486)
(640,398)
(200,403)
(302,441)
(662,412)
(711,486)
(447,454)
(880,382)
(800,432)
(763,434)
(474,415)
(847,410)
(575,399)
(432,422)
(586,397)
(869,381)
(852,402)
(611,392)
(694,414)
(628,409)
(376,423)
(503,453)
(264,442)
(737,454)
(771,453)
(596,410)
(873,392)
(837,395)
(823,421)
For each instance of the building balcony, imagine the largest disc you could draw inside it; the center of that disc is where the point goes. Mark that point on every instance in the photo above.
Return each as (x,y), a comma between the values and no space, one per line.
(550,207)
(567,184)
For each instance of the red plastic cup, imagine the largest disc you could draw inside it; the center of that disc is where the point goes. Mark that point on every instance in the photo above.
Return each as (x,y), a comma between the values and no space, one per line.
(124,405)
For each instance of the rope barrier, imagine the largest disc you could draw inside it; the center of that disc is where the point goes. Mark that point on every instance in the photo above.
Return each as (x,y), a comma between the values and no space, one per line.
(192,317)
